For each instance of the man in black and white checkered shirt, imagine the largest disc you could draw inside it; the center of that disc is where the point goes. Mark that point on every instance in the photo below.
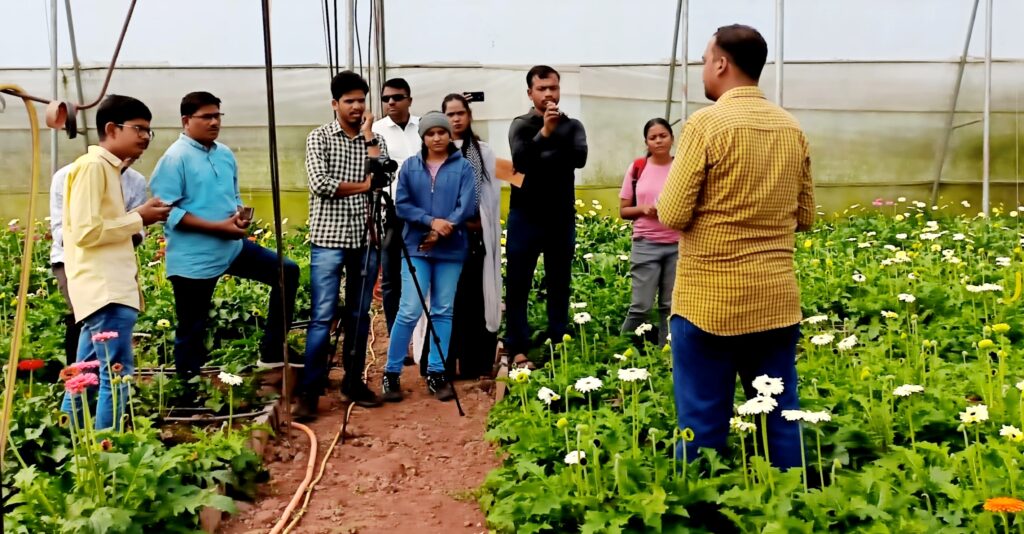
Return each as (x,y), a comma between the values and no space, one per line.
(339,209)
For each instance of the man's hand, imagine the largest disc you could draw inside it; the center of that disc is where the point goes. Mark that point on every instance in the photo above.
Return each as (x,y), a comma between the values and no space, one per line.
(551,118)
(442,227)
(153,211)
(650,211)
(242,221)
(231,228)
(367,127)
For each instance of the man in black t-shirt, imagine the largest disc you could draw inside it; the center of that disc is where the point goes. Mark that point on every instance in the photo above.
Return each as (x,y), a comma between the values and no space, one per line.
(547,147)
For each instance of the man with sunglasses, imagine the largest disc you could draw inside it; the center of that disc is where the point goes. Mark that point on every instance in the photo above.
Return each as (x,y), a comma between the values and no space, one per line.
(400,130)
(206,236)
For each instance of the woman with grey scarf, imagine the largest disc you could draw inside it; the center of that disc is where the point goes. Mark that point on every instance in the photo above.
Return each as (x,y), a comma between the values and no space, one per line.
(477,312)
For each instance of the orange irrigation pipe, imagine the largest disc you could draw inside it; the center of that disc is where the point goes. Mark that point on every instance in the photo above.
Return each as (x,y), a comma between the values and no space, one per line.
(310,464)
(26,266)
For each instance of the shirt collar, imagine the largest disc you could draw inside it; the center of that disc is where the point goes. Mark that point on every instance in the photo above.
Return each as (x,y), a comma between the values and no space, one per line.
(196,144)
(334,128)
(106,155)
(746,91)
(414,121)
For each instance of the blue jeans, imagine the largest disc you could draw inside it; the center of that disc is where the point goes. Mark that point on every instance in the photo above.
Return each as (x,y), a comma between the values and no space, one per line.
(110,318)
(528,238)
(325,268)
(704,368)
(193,296)
(437,279)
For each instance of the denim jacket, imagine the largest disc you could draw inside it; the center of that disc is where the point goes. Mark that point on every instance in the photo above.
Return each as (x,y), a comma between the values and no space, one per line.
(451,197)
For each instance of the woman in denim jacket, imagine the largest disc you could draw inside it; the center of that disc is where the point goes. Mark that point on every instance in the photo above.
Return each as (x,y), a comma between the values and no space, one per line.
(435,197)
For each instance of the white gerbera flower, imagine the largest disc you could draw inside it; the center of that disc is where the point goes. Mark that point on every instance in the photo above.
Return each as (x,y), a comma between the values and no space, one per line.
(519,374)
(847,343)
(959,237)
(548,395)
(1020,385)
(623,257)
(1003,261)
(768,386)
(588,256)
(823,339)
(794,415)
(588,384)
(974,414)
(1011,432)
(643,329)
(907,390)
(758,405)
(815,319)
(230,379)
(965,204)
(857,277)
(575,457)
(817,417)
(620,357)
(901,236)
(633,374)
(906,297)
(741,426)
(581,318)
(578,305)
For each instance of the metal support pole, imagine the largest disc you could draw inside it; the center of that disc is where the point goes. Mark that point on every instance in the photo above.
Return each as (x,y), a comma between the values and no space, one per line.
(672,61)
(986,152)
(779,38)
(685,35)
(948,131)
(53,82)
(275,185)
(84,123)
(383,45)
(350,38)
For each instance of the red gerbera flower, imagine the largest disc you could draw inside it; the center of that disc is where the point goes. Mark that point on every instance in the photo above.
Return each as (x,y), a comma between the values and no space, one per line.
(31,365)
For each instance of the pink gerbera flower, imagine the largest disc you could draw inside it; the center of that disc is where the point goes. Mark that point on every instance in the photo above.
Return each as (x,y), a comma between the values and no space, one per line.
(82,366)
(80,383)
(103,337)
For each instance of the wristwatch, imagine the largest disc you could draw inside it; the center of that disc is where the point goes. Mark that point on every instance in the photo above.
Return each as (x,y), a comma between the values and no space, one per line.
(372,142)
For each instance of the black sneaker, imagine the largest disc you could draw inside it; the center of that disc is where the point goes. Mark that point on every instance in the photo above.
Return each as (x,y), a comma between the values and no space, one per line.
(306,408)
(439,387)
(357,393)
(391,387)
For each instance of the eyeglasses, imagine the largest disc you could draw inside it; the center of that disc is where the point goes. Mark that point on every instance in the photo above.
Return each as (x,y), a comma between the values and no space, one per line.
(141,130)
(395,98)
(208,116)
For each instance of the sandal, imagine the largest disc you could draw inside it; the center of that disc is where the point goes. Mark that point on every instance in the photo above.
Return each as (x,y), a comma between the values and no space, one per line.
(520,361)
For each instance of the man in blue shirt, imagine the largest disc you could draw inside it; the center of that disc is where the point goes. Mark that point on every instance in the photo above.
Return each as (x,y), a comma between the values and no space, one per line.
(206,233)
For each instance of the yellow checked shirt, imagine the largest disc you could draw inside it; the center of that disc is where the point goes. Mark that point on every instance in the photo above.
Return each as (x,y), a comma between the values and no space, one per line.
(98,255)
(739,189)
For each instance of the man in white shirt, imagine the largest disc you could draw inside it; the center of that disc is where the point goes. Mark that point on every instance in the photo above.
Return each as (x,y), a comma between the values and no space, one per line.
(133,187)
(400,130)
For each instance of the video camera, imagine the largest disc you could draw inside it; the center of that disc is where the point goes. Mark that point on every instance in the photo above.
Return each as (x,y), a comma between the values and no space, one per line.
(381,170)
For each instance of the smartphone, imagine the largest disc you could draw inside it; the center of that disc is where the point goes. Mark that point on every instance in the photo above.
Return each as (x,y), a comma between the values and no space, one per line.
(474,96)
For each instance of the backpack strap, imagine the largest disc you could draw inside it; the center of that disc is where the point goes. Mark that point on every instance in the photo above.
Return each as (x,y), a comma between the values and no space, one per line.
(638,169)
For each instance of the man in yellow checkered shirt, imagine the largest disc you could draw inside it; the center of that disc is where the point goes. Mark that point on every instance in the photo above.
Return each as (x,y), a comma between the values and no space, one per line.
(739,189)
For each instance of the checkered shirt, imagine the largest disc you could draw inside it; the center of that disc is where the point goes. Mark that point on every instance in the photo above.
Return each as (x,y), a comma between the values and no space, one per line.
(739,189)
(333,157)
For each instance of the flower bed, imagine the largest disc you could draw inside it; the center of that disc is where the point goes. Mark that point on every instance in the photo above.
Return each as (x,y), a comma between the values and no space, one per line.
(910,383)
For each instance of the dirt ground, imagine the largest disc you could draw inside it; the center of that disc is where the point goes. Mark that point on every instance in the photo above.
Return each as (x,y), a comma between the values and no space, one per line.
(411,466)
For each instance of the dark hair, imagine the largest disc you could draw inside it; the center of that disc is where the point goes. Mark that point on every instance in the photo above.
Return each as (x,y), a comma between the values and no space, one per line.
(347,81)
(540,71)
(398,83)
(745,46)
(191,102)
(118,110)
(469,136)
(657,121)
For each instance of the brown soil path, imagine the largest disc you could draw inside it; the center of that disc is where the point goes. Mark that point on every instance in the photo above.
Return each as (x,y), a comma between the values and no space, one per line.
(411,466)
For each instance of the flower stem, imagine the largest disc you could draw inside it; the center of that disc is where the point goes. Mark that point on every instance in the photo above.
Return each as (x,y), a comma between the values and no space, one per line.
(821,472)
(803,457)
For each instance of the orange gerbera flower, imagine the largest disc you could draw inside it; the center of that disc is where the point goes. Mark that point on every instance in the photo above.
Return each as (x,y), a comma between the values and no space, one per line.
(68,373)
(1004,505)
